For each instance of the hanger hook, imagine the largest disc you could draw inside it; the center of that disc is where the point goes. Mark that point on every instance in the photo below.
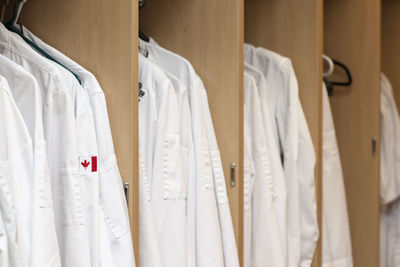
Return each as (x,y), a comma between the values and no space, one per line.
(330,64)
(17,11)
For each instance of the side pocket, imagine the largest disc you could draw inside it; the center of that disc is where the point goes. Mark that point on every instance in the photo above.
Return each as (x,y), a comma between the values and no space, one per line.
(112,198)
(71,199)
(41,173)
(173,169)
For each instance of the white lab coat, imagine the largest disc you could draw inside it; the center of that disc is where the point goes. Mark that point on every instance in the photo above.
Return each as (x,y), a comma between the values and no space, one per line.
(168,180)
(16,167)
(40,220)
(336,242)
(116,247)
(297,149)
(203,220)
(60,134)
(278,177)
(231,257)
(261,222)
(390,178)
(87,156)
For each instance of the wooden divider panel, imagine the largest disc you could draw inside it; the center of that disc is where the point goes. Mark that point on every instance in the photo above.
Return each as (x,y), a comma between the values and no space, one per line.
(294,29)
(391,44)
(101,35)
(352,35)
(210,35)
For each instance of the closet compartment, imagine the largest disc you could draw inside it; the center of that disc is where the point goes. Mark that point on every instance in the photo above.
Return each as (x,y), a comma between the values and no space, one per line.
(352,35)
(294,29)
(102,37)
(209,34)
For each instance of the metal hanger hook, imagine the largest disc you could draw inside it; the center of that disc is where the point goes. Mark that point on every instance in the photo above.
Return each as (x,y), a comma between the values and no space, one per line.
(330,64)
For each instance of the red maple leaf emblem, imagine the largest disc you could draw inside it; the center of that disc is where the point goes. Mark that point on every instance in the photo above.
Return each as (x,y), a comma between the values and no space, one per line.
(85,163)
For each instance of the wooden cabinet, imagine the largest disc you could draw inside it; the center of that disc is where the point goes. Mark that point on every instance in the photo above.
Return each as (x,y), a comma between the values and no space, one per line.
(102,36)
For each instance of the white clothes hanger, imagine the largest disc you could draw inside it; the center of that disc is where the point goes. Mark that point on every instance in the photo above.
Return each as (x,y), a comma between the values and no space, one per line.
(330,64)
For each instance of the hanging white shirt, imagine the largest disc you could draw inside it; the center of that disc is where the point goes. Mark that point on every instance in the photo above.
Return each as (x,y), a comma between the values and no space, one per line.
(336,242)
(298,151)
(278,177)
(265,245)
(60,133)
(390,178)
(168,182)
(43,242)
(116,240)
(204,225)
(16,168)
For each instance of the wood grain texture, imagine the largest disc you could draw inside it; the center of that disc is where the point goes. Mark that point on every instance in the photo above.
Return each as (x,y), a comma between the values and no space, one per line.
(210,35)
(294,29)
(102,37)
(352,35)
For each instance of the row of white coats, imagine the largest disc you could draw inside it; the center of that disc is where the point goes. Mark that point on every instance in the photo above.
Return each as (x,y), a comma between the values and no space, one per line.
(185,218)
(283,159)
(61,196)
(280,221)
(390,178)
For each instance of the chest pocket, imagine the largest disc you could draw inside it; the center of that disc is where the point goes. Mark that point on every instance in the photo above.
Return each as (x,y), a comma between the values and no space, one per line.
(174,175)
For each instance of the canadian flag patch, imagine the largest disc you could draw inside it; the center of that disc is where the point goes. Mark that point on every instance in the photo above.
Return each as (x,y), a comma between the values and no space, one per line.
(88,164)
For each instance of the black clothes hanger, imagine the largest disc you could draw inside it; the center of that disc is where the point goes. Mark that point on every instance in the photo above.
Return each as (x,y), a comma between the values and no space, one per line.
(14,26)
(142,36)
(331,84)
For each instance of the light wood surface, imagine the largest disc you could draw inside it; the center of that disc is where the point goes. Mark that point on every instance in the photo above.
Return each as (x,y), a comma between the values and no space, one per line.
(391,44)
(352,35)
(101,36)
(209,34)
(294,29)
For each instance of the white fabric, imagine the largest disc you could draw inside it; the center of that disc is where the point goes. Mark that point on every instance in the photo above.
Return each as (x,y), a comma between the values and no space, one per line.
(203,213)
(278,177)
(162,141)
(336,242)
(261,221)
(115,238)
(149,251)
(231,257)
(390,178)
(16,162)
(60,134)
(297,149)
(224,214)
(87,149)
(3,235)
(43,239)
